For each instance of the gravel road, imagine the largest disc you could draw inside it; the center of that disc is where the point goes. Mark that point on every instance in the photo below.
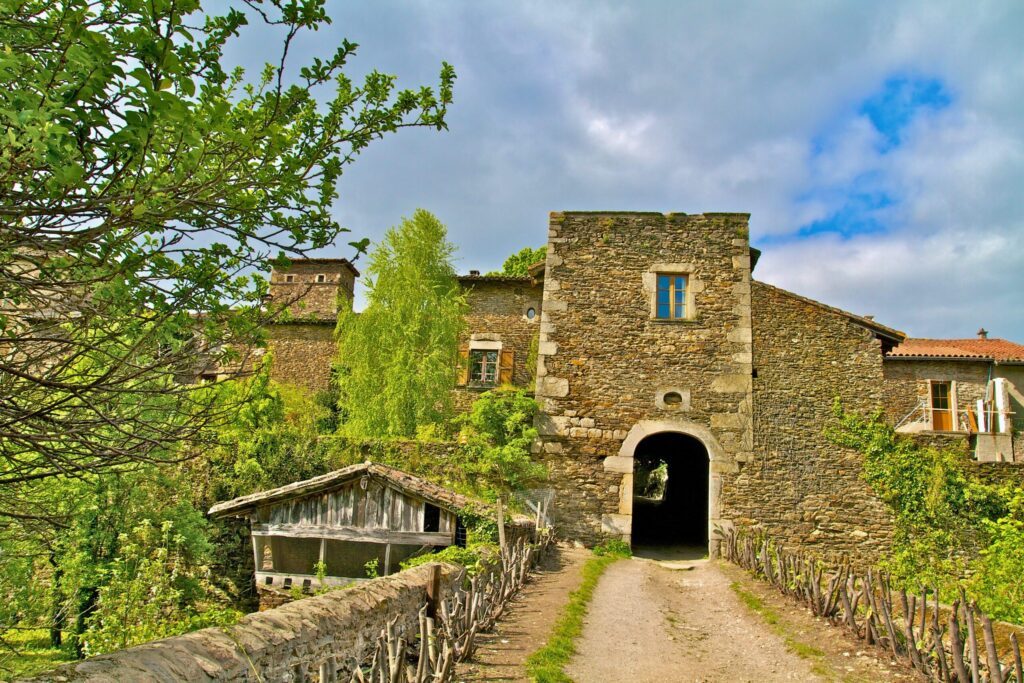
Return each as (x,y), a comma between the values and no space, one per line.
(677,621)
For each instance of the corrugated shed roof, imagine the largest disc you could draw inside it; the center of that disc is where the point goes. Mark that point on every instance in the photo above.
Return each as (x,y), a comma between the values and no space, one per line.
(429,491)
(962,349)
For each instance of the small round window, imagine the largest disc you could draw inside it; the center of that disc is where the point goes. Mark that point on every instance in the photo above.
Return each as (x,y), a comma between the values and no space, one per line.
(531,313)
(673,398)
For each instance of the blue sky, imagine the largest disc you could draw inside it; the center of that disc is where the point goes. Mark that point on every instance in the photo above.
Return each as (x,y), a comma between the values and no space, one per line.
(878,146)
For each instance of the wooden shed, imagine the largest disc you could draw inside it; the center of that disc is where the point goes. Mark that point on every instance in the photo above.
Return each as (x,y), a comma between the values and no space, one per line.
(346,519)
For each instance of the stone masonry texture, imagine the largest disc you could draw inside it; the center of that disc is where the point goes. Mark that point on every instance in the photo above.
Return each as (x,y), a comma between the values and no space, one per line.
(283,644)
(603,359)
(302,341)
(801,488)
(754,371)
(302,353)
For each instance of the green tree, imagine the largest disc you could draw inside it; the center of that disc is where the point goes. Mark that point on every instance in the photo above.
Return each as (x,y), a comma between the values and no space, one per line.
(498,433)
(518,264)
(140,182)
(398,358)
(153,590)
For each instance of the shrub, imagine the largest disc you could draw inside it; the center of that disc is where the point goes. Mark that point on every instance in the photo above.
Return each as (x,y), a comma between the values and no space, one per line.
(475,557)
(613,547)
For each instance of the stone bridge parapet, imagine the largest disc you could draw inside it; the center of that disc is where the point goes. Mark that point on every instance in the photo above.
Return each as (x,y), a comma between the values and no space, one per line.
(294,642)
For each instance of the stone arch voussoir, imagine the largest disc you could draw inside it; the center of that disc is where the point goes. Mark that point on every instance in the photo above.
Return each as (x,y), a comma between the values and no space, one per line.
(621,524)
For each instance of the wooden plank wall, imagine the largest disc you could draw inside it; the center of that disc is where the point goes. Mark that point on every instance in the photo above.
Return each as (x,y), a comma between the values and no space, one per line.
(378,507)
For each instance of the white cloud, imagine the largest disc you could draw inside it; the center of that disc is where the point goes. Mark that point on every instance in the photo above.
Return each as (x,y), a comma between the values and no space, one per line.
(695,106)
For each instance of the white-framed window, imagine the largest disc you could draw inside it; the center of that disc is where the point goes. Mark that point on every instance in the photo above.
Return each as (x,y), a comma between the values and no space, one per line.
(483,367)
(942,405)
(321,278)
(486,364)
(289,278)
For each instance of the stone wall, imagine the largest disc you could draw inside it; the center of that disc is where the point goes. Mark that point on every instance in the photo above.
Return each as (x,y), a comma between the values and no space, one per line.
(282,644)
(605,362)
(906,384)
(498,312)
(313,288)
(302,354)
(800,487)
(906,387)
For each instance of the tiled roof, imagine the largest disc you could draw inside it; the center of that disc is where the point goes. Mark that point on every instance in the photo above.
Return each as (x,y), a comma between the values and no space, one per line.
(525,279)
(315,261)
(963,349)
(429,491)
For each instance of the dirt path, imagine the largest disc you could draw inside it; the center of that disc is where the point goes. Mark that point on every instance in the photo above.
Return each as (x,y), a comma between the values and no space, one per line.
(684,621)
(525,627)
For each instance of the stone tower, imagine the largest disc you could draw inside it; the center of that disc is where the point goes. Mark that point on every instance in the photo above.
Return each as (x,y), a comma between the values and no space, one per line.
(302,340)
(313,289)
(645,343)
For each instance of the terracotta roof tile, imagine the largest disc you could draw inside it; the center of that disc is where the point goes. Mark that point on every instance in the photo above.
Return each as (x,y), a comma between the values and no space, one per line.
(963,349)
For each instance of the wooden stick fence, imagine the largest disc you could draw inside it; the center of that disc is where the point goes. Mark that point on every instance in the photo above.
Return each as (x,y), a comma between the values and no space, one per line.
(865,605)
(471,608)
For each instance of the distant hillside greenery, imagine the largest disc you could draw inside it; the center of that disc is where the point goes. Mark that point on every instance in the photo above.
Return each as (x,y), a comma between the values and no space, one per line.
(518,264)
(952,529)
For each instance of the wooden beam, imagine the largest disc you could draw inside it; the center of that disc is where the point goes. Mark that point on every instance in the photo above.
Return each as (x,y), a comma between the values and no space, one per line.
(257,553)
(357,534)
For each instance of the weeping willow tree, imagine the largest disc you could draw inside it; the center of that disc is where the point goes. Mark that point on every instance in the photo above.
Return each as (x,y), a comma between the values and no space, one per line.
(397,359)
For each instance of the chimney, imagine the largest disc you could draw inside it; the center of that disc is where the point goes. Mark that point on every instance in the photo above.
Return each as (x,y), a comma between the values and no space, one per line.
(982,333)
(474,273)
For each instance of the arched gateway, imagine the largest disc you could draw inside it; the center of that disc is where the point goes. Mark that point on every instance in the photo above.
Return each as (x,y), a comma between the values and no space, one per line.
(670,487)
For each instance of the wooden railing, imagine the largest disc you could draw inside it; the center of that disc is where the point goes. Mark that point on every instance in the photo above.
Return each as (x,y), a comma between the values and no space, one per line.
(449,625)
(940,641)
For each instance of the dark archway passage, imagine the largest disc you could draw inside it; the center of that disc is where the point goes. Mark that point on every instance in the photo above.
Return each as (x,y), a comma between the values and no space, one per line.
(670,491)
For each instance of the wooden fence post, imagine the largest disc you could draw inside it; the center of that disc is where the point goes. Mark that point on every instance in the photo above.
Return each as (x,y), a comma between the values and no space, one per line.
(501,526)
(434,590)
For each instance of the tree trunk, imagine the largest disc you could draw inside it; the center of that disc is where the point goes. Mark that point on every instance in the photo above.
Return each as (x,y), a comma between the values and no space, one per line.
(58,616)
(86,606)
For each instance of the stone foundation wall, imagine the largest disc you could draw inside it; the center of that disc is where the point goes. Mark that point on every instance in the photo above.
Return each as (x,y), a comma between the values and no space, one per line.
(282,644)
(999,473)
(800,487)
(605,362)
(302,354)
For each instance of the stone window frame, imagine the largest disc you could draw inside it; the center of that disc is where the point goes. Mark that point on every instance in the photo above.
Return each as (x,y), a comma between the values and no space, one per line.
(694,286)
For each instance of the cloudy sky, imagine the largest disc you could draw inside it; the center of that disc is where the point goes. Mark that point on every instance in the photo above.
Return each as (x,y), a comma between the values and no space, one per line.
(878,146)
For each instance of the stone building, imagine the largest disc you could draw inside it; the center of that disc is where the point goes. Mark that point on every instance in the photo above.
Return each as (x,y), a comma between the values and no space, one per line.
(302,340)
(678,395)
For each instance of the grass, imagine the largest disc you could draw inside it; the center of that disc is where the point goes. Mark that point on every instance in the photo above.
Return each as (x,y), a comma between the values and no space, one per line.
(771,617)
(29,654)
(546,664)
